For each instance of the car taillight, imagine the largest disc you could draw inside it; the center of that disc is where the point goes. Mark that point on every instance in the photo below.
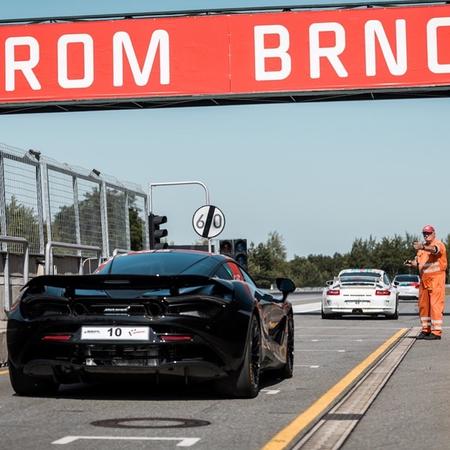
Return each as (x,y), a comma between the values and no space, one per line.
(175,337)
(416,285)
(56,337)
(382,292)
(333,292)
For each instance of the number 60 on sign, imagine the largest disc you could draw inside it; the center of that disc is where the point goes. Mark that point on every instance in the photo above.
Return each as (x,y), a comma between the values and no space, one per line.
(208,221)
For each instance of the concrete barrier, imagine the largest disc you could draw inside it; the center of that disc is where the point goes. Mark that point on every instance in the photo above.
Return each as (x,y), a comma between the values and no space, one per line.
(15,286)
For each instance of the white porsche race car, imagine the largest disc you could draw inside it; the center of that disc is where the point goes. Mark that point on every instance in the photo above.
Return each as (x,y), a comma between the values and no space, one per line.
(360,291)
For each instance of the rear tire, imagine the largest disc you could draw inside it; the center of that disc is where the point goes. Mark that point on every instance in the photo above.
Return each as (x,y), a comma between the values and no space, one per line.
(26,385)
(328,316)
(245,382)
(395,315)
(287,370)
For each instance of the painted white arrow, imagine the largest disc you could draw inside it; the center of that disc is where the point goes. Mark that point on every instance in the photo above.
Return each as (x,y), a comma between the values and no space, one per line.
(270,391)
(184,442)
(307,307)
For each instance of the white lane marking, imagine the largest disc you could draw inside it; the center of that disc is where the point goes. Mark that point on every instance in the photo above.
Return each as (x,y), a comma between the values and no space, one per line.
(350,340)
(300,299)
(344,336)
(346,327)
(308,307)
(311,350)
(184,442)
(306,365)
(270,391)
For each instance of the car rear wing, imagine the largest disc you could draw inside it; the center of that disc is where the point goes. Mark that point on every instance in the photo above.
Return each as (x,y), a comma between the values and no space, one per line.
(118,282)
(360,280)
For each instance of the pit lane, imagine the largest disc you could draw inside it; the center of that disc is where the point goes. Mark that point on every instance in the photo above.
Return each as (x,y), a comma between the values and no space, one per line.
(326,350)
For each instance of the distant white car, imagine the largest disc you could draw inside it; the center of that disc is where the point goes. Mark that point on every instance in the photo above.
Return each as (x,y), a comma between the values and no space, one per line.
(360,291)
(407,286)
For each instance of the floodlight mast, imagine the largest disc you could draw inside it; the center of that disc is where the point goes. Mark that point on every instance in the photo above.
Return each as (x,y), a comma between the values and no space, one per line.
(180,183)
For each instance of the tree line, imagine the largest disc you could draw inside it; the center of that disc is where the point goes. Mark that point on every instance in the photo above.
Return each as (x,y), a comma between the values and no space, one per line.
(23,221)
(268,260)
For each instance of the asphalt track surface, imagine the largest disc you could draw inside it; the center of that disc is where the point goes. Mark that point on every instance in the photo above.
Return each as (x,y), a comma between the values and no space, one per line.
(411,411)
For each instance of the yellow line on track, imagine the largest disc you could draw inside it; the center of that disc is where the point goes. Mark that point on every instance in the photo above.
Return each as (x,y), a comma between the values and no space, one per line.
(4,372)
(282,439)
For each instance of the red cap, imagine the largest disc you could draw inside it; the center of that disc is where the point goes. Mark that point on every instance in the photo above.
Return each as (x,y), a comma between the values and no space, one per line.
(428,229)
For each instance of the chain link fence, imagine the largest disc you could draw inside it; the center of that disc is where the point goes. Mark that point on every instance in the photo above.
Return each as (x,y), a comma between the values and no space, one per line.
(43,200)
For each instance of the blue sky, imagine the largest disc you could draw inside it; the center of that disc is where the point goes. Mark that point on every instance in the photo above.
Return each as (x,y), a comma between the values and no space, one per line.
(321,174)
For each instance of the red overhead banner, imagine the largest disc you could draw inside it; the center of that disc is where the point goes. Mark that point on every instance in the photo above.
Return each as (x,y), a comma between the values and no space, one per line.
(286,52)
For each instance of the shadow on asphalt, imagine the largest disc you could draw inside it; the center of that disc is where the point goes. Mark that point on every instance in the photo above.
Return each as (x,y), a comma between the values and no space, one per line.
(126,389)
(348,316)
(356,317)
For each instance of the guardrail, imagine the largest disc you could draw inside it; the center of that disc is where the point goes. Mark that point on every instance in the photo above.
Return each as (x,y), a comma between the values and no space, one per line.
(52,244)
(120,251)
(26,259)
(43,200)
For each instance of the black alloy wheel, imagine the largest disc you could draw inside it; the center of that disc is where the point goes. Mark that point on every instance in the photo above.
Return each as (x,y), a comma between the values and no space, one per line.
(244,383)
(255,369)
(287,370)
(289,367)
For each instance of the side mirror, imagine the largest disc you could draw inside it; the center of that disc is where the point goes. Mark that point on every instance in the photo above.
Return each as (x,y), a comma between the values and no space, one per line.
(264,296)
(329,282)
(286,286)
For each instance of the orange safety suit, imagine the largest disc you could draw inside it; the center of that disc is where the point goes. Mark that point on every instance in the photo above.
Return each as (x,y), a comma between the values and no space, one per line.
(432,269)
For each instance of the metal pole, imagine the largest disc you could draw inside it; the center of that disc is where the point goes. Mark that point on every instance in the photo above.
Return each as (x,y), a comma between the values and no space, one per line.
(146,224)
(181,183)
(104,219)
(40,208)
(3,218)
(127,221)
(76,211)
(178,183)
(46,202)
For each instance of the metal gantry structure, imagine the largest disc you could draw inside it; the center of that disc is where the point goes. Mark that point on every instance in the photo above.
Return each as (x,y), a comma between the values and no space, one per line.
(388,92)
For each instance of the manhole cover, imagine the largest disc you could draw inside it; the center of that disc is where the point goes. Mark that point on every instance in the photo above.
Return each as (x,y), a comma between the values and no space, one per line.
(150,422)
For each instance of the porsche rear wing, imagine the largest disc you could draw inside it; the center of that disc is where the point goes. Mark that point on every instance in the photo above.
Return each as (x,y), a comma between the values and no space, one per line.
(360,280)
(113,282)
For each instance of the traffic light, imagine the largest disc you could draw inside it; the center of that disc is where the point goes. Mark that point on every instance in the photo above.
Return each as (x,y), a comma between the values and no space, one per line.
(236,248)
(226,247)
(156,233)
(240,252)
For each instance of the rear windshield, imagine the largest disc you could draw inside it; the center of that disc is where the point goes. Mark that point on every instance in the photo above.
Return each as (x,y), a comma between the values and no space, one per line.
(166,263)
(409,278)
(359,275)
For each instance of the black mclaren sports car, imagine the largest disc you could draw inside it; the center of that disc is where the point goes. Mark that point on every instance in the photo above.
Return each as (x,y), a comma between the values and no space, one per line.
(180,313)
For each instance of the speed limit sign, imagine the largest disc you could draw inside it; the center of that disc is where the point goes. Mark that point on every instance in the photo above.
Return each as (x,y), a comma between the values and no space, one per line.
(208,221)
